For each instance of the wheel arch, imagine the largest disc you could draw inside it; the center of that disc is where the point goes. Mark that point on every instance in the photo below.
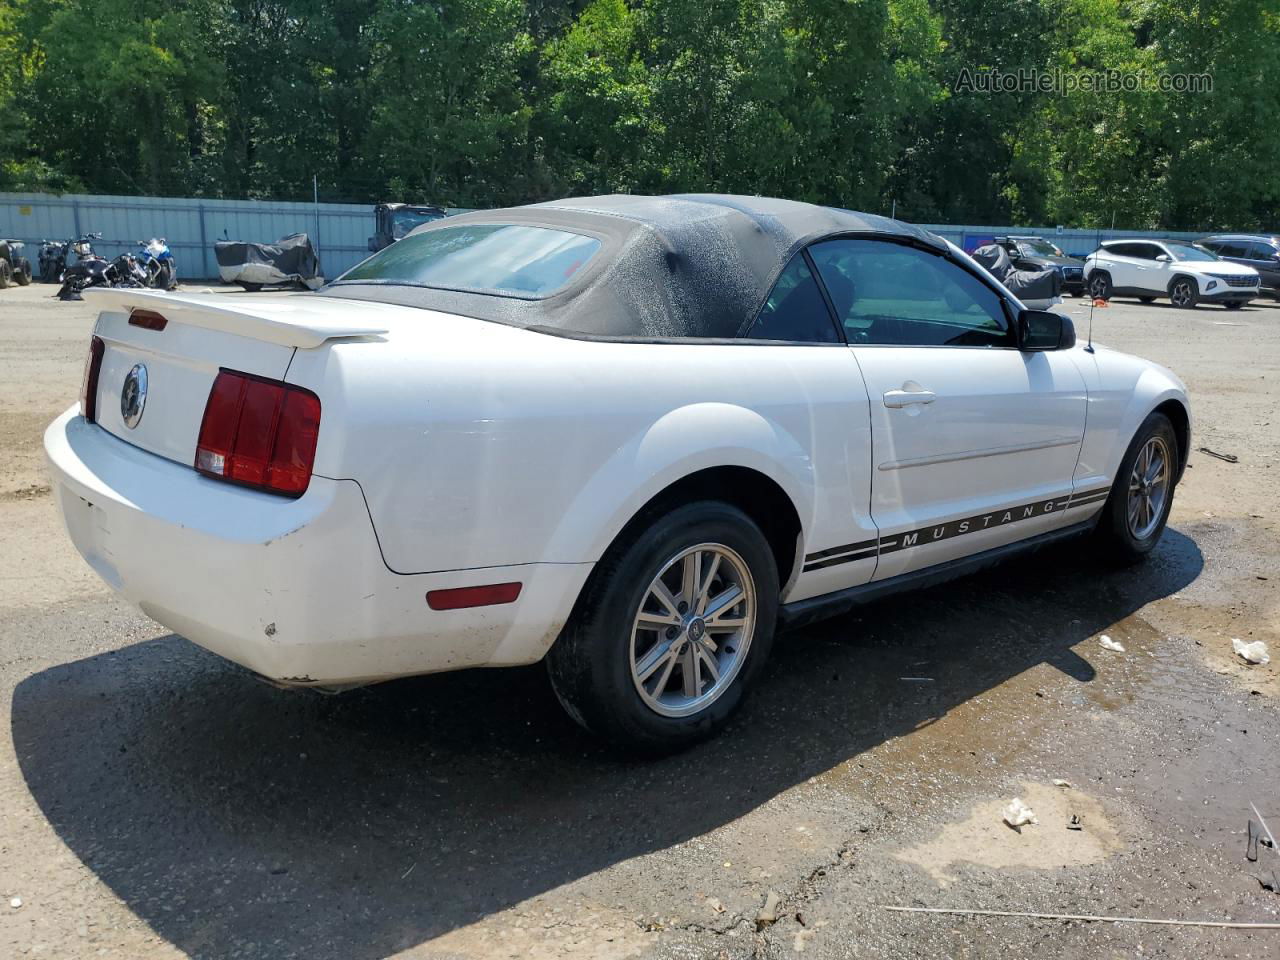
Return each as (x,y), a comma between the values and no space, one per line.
(756,494)
(1180,417)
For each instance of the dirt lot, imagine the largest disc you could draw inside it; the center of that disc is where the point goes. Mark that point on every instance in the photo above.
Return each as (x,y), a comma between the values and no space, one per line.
(159,802)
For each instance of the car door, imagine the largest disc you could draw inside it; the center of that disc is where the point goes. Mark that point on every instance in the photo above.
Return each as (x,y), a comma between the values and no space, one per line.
(973,443)
(841,542)
(1156,267)
(1122,265)
(1263,258)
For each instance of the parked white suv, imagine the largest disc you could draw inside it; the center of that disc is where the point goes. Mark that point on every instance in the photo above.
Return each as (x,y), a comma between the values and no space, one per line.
(1186,274)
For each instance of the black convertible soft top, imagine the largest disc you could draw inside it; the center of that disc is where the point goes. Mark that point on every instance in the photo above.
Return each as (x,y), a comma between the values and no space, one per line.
(693,265)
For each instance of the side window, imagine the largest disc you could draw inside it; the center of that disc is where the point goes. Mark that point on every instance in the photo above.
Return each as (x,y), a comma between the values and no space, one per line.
(795,310)
(1234,249)
(890,293)
(1262,251)
(1146,251)
(1122,249)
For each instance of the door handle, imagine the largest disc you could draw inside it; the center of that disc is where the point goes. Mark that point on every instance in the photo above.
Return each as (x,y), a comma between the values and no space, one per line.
(896,399)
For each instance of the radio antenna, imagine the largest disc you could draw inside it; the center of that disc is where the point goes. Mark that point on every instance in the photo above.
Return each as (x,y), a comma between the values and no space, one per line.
(1092,303)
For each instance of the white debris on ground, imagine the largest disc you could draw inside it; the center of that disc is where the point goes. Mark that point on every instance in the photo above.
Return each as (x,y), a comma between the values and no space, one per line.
(1255,652)
(1061,783)
(1109,644)
(1018,814)
(16,902)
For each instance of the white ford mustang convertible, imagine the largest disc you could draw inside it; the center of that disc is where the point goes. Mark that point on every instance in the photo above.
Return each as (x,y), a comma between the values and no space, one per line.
(629,435)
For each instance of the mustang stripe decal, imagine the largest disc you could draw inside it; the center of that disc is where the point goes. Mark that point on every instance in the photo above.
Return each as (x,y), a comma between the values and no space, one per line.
(867,549)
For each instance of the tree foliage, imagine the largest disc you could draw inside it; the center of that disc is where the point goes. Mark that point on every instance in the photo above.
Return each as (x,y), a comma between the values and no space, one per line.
(480,102)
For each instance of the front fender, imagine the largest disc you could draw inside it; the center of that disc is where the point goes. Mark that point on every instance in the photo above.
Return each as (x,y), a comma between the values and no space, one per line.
(683,441)
(1123,391)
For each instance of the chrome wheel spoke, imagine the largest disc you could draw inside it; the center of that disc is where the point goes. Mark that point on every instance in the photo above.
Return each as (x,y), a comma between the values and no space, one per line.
(722,604)
(656,621)
(726,625)
(708,661)
(704,585)
(657,656)
(659,590)
(691,578)
(689,668)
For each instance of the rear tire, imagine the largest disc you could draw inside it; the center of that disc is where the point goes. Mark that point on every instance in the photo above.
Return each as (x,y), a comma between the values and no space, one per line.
(1234,304)
(1135,514)
(1184,293)
(621,667)
(1147,299)
(250,287)
(1100,285)
(5,274)
(22,272)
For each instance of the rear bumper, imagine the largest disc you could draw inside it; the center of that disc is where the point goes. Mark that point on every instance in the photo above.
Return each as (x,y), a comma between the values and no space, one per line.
(295,590)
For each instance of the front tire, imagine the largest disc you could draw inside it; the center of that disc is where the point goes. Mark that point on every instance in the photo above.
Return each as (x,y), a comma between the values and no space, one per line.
(671,629)
(1147,299)
(1100,286)
(1135,514)
(1234,304)
(1184,293)
(249,287)
(22,272)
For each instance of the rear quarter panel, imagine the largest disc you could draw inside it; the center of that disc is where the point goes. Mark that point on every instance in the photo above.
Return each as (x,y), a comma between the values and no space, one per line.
(478,444)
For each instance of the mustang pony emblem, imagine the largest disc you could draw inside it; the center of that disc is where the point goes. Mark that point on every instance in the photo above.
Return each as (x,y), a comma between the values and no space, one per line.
(133,398)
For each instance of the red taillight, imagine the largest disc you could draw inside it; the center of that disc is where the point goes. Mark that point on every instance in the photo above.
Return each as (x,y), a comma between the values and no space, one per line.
(259,433)
(459,597)
(89,382)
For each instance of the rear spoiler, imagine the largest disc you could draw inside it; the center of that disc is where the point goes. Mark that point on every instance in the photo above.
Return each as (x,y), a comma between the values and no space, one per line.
(303,320)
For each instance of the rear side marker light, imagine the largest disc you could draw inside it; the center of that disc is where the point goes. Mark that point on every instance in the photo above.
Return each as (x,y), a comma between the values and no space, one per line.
(89,382)
(259,433)
(148,320)
(460,597)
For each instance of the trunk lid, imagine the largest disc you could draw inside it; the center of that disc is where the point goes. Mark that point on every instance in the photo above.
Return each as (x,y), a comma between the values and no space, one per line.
(202,334)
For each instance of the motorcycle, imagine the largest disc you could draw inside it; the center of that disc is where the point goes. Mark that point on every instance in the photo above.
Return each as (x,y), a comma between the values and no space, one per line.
(55,254)
(158,263)
(91,270)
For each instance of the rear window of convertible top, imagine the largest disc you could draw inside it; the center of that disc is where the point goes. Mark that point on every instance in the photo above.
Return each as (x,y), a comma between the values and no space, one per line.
(509,259)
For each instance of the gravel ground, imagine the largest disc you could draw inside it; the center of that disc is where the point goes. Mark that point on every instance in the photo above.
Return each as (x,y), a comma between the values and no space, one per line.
(159,802)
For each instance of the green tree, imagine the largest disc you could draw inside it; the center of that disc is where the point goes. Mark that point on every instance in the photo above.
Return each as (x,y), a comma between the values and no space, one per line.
(448,118)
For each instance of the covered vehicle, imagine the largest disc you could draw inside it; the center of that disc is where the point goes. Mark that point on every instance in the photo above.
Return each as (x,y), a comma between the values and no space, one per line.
(290,259)
(1037,253)
(395,221)
(630,435)
(1039,288)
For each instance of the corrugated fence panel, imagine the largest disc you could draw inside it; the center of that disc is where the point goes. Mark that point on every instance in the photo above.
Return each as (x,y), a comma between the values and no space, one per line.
(1075,242)
(340,231)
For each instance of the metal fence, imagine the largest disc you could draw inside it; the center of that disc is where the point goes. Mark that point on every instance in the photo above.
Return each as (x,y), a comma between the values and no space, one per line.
(1079,243)
(340,231)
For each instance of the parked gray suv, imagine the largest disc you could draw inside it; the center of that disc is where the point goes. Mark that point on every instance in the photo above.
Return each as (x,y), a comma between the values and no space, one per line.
(1260,252)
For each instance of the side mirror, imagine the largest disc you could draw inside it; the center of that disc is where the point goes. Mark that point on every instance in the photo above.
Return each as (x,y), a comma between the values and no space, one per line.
(1164,258)
(1041,330)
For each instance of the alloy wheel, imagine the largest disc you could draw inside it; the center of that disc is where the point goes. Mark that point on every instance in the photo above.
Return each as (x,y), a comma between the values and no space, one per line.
(1148,488)
(1182,295)
(691,634)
